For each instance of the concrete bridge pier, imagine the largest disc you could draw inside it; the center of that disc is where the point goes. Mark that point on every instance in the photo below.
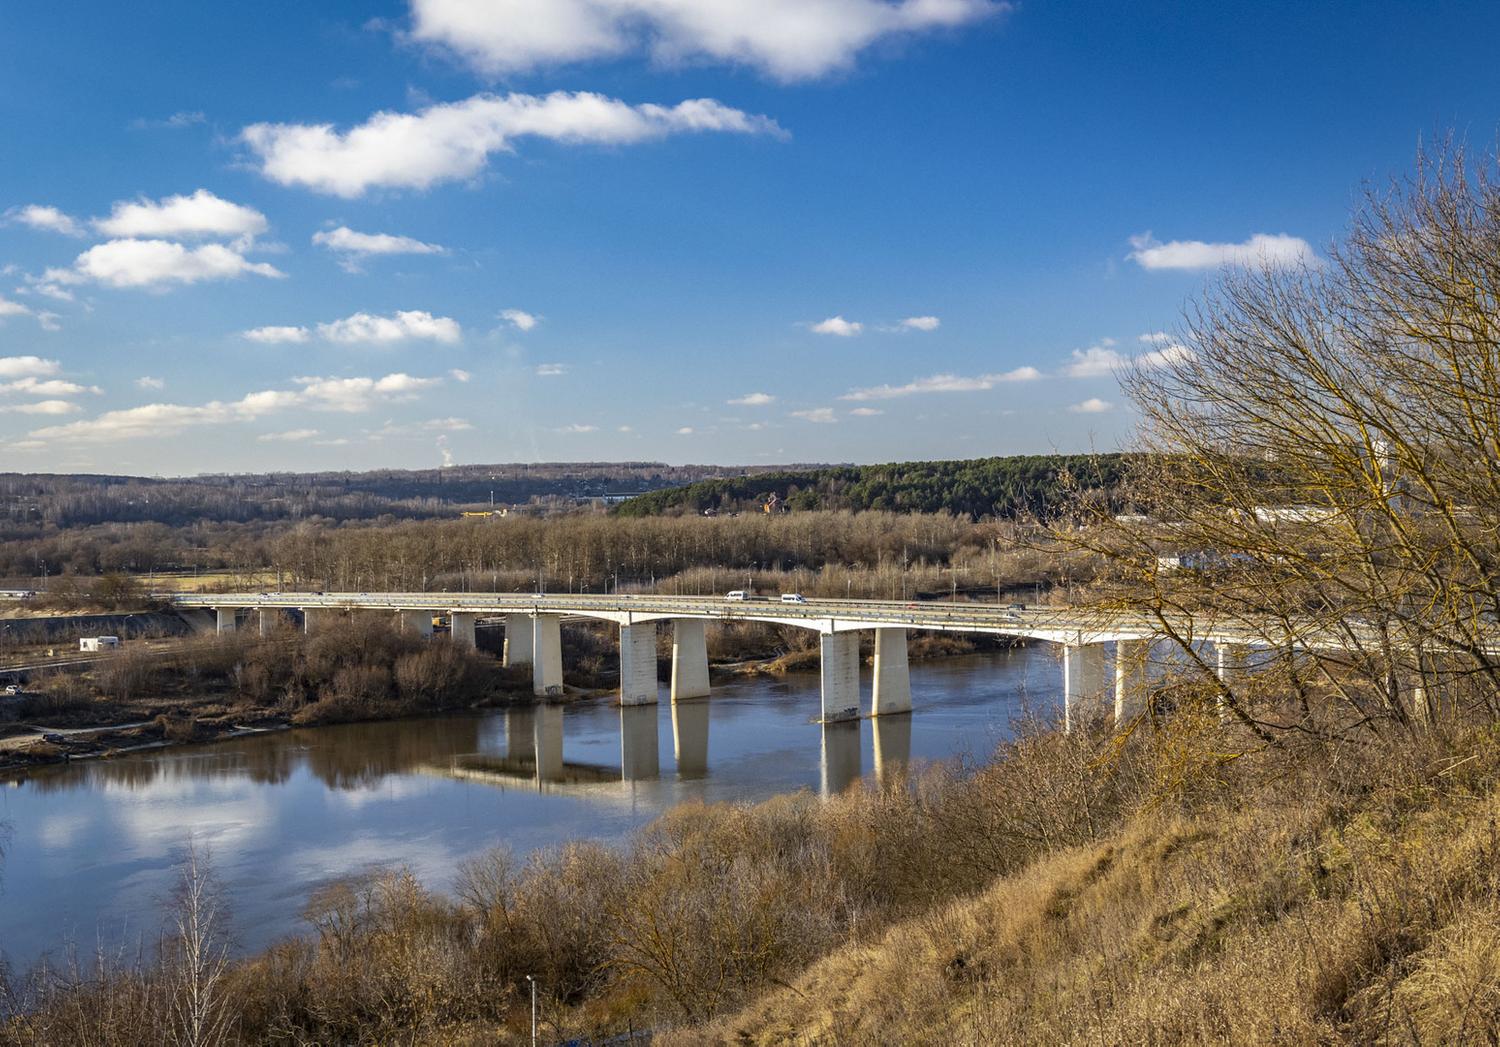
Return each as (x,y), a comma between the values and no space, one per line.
(518,630)
(418,623)
(314,618)
(266,619)
(226,619)
(892,673)
(546,653)
(1083,683)
(689,659)
(1131,663)
(840,672)
(690,738)
(638,682)
(461,628)
(640,757)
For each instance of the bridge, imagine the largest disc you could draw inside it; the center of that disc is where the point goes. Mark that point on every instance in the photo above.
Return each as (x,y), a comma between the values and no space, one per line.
(533,637)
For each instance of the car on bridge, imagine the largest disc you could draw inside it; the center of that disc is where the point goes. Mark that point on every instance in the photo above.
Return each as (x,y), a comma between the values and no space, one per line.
(793,598)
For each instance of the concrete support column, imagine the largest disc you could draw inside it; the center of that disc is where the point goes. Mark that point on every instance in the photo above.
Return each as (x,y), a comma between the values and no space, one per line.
(640,757)
(517,640)
(840,670)
(840,756)
(638,683)
(312,619)
(418,623)
(1130,678)
(689,659)
(461,628)
(546,653)
(1231,659)
(226,619)
(892,675)
(690,738)
(266,620)
(1083,683)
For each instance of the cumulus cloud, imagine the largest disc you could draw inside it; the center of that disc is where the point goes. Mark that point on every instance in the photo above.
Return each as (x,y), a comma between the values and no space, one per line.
(786,39)
(346,241)
(821,415)
(520,319)
(156,265)
(1093,405)
(551,370)
(578,428)
(919,323)
(1165,354)
(686,430)
(274,334)
(866,412)
(45,218)
(201,215)
(9,308)
(838,326)
(27,366)
(943,383)
(165,419)
(753,400)
(289,436)
(1279,250)
(29,386)
(454,140)
(147,382)
(1096,361)
(403,325)
(43,407)
(459,375)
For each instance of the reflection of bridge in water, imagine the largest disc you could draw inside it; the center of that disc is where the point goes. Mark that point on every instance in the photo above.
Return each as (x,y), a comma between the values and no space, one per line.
(533,756)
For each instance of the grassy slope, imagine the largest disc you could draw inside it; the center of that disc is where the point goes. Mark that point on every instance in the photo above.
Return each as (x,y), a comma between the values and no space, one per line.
(1292,916)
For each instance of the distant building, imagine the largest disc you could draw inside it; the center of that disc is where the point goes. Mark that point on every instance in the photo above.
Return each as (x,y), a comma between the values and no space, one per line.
(98,643)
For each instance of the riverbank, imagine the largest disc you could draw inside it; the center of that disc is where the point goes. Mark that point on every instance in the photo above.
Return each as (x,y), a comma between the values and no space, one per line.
(1078,887)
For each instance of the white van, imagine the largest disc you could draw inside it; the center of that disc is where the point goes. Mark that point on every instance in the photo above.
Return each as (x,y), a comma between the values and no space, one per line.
(738,596)
(793,598)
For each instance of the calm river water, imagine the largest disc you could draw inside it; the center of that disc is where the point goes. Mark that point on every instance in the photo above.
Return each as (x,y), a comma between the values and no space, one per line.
(92,848)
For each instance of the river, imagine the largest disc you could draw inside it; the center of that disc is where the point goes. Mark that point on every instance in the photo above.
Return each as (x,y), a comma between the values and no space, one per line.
(92,848)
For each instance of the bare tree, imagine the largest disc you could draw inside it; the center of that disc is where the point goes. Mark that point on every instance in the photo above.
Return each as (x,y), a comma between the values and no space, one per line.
(201,1013)
(1325,470)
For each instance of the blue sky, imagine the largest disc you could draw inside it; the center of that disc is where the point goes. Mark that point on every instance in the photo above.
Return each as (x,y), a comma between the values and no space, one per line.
(338,235)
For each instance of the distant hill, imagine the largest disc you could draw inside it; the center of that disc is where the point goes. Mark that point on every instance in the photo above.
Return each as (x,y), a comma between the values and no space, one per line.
(1023,485)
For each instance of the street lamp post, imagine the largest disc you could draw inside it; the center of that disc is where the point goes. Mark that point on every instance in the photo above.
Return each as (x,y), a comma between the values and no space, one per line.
(532,980)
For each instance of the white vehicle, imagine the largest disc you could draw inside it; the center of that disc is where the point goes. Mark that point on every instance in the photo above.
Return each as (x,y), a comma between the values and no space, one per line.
(98,643)
(738,596)
(793,598)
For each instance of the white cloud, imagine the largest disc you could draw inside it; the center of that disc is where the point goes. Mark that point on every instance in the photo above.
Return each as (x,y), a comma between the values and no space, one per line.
(30,386)
(1093,405)
(459,375)
(156,264)
(146,382)
(821,415)
(48,321)
(45,218)
(289,436)
(520,319)
(625,429)
(44,407)
(1166,354)
(1096,361)
(454,140)
(577,428)
(686,430)
(787,39)
(274,334)
(753,400)
(162,419)
(176,122)
(920,323)
(9,308)
(943,383)
(346,241)
(837,325)
(551,370)
(201,215)
(366,328)
(1278,250)
(866,412)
